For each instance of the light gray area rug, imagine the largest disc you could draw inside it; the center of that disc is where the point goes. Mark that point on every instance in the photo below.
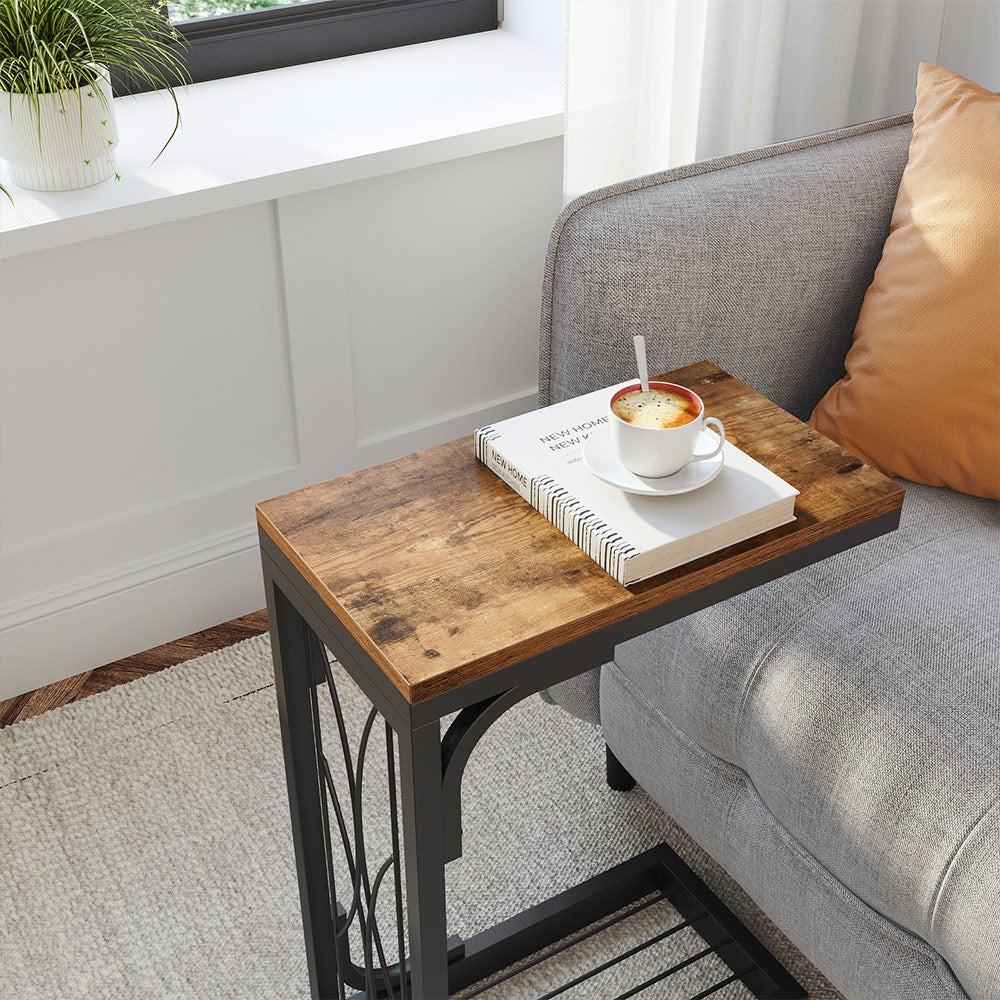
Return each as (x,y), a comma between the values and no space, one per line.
(145,849)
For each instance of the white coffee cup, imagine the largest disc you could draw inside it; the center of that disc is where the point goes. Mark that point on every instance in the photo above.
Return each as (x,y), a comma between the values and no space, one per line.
(656,452)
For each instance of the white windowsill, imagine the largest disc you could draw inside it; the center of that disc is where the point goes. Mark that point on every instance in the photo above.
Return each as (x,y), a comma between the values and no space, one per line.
(286,131)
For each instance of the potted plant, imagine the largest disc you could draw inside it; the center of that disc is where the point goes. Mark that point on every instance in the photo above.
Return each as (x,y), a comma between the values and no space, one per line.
(57,119)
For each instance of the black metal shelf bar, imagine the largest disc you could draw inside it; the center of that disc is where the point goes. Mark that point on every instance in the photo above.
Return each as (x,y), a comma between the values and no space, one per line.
(715,989)
(568,943)
(624,956)
(667,973)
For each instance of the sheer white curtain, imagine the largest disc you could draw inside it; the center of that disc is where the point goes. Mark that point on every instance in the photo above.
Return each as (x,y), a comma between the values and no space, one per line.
(631,68)
(655,83)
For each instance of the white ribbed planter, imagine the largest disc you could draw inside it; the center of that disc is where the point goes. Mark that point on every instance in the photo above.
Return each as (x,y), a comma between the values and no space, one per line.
(70,143)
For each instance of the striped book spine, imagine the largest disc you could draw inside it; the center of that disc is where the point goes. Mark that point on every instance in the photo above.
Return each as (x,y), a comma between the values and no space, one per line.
(556,504)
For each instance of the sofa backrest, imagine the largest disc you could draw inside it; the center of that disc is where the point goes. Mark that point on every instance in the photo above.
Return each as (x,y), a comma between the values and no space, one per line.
(757,261)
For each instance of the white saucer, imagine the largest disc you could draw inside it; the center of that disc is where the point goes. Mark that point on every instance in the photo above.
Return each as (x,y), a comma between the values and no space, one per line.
(603,462)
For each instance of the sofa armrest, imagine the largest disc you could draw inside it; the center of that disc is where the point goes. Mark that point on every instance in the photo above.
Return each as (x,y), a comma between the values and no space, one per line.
(757,261)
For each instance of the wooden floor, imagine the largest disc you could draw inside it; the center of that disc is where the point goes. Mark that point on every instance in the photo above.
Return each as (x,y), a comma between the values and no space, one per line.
(33,703)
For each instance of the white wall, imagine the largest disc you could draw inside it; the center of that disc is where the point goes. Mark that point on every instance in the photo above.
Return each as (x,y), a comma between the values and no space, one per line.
(157,383)
(542,22)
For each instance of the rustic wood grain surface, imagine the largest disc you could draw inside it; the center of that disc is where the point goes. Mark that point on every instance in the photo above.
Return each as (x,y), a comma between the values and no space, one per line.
(444,574)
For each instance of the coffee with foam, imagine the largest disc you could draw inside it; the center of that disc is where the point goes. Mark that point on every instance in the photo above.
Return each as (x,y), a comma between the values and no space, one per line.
(656,408)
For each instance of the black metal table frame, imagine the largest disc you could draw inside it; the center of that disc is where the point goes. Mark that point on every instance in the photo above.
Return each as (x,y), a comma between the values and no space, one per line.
(430,781)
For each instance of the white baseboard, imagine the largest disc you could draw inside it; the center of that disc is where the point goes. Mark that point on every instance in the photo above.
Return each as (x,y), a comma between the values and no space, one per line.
(81,630)
(128,577)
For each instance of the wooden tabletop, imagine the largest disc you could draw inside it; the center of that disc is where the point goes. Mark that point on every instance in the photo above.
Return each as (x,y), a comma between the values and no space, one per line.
(444,574)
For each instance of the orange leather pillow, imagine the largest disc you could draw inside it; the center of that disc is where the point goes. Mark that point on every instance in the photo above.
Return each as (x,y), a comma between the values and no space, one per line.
(921,397)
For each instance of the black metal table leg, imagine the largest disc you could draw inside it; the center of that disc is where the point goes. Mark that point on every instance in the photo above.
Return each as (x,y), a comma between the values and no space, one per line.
(295,649)
(424,856)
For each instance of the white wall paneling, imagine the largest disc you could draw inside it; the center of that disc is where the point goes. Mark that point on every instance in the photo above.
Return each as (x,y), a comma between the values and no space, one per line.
(157,383)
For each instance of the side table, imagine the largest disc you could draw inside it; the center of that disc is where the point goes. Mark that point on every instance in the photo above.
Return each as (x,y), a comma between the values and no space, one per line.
(439,590)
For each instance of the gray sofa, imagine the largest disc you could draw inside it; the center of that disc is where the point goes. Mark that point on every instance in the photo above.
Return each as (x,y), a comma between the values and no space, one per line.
(833,738)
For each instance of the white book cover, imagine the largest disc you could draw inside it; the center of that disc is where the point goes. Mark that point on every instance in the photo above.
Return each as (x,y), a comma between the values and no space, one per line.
(540,455)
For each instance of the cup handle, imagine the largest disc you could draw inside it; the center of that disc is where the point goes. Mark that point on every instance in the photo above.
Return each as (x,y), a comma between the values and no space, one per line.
(722,440)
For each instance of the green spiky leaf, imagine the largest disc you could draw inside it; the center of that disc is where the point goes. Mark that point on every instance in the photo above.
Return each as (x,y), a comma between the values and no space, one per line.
(51,46)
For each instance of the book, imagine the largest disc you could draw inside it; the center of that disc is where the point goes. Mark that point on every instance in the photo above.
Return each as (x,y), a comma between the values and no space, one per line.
(632,537)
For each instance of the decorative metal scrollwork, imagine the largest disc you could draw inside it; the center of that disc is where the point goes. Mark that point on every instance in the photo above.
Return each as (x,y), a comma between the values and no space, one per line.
(377,977)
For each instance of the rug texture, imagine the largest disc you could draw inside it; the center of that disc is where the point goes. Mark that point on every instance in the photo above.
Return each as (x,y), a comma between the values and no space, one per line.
(145,849)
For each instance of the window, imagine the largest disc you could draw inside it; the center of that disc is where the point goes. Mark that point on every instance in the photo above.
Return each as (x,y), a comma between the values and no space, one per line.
(229,37)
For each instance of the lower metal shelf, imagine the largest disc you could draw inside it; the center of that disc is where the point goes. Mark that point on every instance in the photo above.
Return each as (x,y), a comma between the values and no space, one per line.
(481,963)
(610,898)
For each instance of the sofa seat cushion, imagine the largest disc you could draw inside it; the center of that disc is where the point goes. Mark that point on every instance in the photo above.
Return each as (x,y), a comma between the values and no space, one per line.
(864,955)
(861,696)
